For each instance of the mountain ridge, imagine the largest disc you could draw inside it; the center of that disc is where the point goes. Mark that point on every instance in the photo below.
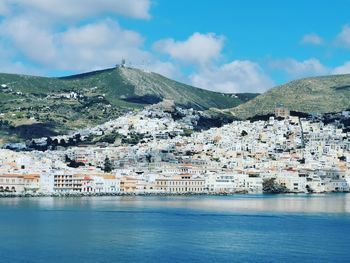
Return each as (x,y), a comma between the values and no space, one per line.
(60,104)
(309,95)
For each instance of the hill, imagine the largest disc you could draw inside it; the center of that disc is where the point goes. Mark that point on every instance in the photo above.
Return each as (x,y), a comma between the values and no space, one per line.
(33,106)
(309,95)
(138,86)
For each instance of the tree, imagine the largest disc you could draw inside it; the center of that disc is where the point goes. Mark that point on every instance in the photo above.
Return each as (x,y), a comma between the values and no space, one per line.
(187,132)
(70,141)
(75,164)
(33,144)
(342,158)
(77,138)
(108,167)
(67,159)
(55,142)
(63,142)
(48,141)
(244,133)
(271,186)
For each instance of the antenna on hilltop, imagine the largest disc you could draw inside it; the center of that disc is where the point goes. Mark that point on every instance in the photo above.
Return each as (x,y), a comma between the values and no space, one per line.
(123,63)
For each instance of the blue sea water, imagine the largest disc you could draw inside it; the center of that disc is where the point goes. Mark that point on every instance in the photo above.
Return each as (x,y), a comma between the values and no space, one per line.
(240,228)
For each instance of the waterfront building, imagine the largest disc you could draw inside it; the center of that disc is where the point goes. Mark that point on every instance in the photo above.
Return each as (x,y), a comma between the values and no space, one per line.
(292,182)
(220,183)
(183,183)
(248,183)
(47,182)
(128,184)
(19,183)
(31,183)
(11,183)
(65,183)
(336,185)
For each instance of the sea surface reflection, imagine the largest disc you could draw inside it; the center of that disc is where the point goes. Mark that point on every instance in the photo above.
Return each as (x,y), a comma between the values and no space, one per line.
(239,228)
(287,203)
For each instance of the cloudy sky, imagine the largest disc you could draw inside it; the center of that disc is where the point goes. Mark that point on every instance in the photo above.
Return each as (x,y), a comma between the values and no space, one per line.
(222,45)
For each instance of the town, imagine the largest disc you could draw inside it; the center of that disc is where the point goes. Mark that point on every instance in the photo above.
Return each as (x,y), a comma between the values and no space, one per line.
(158,150)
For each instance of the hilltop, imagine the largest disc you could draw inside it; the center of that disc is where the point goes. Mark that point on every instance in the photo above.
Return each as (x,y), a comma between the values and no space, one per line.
(143,87)
(32,106)
(310,95)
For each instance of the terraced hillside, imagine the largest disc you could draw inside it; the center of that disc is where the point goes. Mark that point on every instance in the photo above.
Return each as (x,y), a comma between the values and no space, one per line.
(38,106)
(309,95)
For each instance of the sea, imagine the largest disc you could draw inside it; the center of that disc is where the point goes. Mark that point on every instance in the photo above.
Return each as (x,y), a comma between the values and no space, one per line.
(237,228)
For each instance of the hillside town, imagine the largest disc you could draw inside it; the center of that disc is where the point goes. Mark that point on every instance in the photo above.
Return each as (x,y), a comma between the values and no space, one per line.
(157,150)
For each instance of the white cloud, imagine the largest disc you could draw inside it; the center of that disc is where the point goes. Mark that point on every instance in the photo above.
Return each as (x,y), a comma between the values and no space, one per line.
(7,65)
(90,46)
(35,42)
(18,68)
(343,38)
(310,67)
(99,45)
(343,69)
(50,34)
(166,69)
(312,39)
(295,68)
(199,48)
(78,9)
(99,35)
(237,76)
(202,50)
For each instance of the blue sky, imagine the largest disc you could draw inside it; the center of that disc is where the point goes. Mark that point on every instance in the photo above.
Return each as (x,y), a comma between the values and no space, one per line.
(223,45)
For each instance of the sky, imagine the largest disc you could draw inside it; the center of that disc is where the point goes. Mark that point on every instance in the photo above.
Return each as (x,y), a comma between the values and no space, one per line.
(223,45)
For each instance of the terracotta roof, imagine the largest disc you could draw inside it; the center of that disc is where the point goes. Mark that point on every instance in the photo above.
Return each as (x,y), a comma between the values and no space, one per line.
(109,176)
(11,175)
(186,165)
(31,176)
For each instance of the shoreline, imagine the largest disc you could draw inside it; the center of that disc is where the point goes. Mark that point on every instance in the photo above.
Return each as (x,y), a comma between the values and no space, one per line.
(79,195)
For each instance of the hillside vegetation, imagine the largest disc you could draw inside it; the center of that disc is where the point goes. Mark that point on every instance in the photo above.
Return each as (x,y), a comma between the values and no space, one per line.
(309,95)
(39,106)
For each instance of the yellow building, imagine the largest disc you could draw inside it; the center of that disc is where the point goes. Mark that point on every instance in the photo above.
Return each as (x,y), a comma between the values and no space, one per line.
(183,183)
(19,182)
(128,184)
(11,183)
